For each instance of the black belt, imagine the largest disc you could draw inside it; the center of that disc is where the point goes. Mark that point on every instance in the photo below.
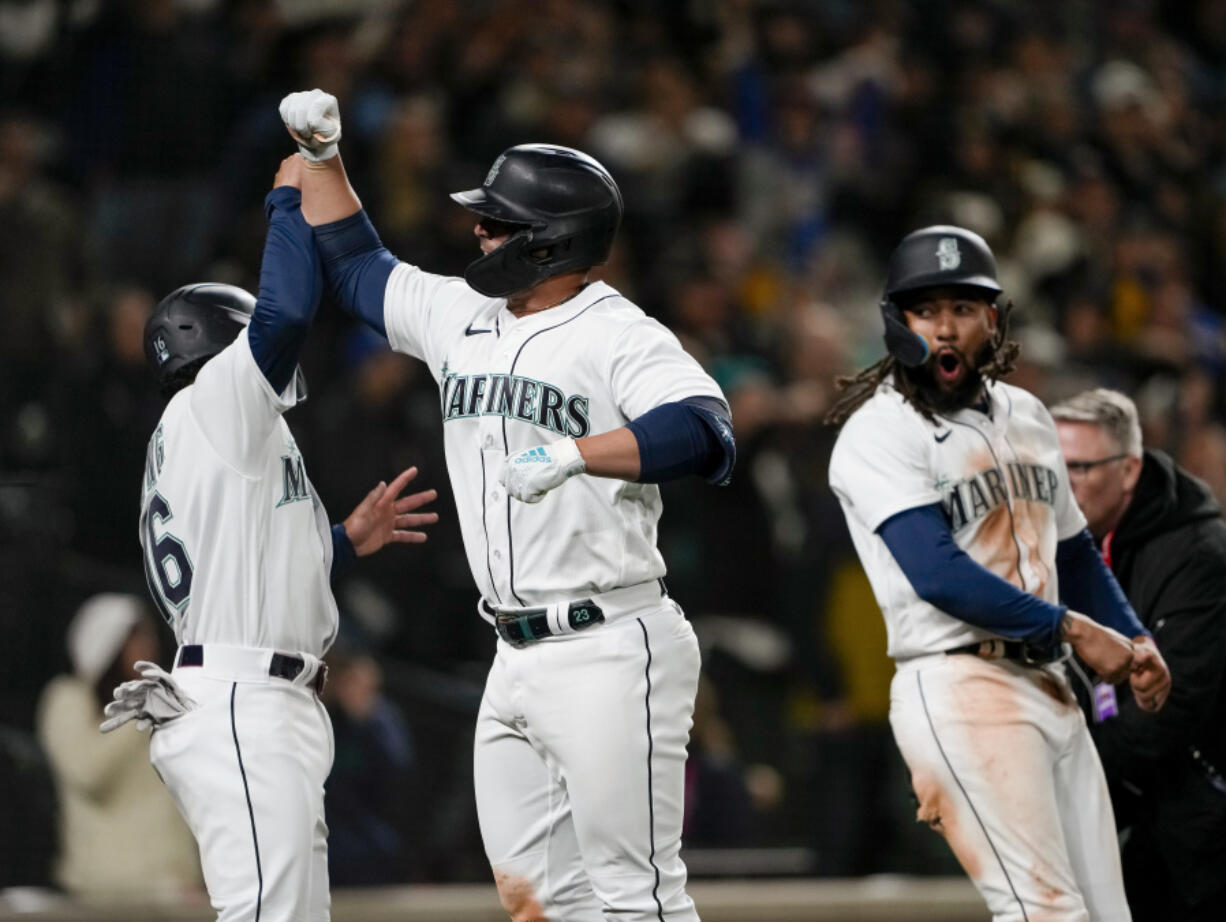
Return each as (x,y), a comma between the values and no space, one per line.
(527,625)
(1028,654)
(282,665)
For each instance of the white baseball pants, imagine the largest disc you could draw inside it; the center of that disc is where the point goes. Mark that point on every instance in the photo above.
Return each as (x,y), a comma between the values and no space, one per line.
(580,771)
(1004,768)
(247,770)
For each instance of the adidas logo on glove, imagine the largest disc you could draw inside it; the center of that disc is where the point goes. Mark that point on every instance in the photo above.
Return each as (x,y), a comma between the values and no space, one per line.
(536,455)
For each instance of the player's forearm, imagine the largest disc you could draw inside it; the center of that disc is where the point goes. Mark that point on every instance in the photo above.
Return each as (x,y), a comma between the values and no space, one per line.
(669,442)
(944,576)
(290,287)
(326,193)
(356,266)
(611,454)
(1087,585)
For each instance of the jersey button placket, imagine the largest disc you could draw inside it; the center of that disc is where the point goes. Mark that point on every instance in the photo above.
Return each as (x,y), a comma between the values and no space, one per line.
(489,442)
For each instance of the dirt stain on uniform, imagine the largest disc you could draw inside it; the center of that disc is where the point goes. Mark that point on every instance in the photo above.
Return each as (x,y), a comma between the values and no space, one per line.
(1029,525)
(1054,901)
(994,547)
(518,898)
(1047,890)
(1054,689)
(937,810)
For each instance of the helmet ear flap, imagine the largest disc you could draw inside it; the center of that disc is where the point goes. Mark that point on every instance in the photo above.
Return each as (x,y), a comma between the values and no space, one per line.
(506,270)
(903,343)
(1004,308)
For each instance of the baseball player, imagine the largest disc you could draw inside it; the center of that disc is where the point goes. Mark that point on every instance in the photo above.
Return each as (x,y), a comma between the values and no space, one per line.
(958,502)
(238,554)
(563,406)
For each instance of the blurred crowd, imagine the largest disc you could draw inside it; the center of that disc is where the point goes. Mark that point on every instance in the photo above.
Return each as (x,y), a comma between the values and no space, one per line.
(770,152)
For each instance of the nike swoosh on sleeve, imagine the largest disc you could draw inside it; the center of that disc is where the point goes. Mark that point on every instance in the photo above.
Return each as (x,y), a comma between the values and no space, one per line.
(942,436)
(469,331)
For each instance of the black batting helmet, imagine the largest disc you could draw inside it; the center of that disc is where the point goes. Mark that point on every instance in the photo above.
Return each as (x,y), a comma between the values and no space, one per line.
(932,257)
(194,322)
(564,209)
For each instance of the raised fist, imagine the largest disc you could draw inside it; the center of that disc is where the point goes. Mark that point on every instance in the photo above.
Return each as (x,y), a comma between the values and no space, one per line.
(313,119)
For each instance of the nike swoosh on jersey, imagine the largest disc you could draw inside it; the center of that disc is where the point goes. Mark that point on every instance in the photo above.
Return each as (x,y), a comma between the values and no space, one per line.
(469,331)
(942,436)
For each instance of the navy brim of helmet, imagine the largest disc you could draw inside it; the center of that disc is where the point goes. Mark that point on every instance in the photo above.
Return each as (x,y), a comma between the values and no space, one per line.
(480,201)
(942,280)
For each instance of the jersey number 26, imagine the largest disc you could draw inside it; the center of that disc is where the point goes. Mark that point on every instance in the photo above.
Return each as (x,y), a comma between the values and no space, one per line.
(168,568)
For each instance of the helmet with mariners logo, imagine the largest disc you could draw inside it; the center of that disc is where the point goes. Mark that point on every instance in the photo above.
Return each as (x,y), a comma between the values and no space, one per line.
(932,257)
(560,208)
(191,325)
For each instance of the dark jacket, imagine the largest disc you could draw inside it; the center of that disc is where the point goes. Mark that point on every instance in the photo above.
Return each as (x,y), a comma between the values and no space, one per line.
(1169,555)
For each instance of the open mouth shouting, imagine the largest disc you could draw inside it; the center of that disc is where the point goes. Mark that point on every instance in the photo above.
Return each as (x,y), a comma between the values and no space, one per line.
(949,366)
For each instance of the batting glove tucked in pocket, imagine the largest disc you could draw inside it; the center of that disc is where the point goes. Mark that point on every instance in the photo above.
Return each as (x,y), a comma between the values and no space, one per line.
(532,473)
(151,700)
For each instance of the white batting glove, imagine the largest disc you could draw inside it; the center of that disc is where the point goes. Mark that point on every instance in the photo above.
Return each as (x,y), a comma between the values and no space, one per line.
(529,475)
(151,700)
(314,121)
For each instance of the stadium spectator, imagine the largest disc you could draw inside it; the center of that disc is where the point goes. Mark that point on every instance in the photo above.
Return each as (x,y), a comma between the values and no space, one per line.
(1161,532)
(121,836)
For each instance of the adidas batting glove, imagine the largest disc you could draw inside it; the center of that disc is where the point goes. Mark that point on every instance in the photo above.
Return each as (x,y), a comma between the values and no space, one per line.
(529,475)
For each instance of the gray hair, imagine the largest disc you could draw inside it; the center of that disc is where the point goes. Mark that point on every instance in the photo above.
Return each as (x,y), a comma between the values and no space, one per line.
(1111,411)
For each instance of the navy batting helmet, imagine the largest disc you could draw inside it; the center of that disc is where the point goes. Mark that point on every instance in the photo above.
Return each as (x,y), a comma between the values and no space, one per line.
(932,257)
(194,322)
(563,207)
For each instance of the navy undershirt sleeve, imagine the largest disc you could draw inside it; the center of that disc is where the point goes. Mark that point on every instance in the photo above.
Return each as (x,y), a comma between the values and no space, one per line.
(343,553)
(356,267)
(690,436)
(290,286)
(1090,587)
(944,576)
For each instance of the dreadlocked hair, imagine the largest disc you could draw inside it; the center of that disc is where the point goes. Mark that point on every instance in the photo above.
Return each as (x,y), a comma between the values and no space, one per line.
(858,388)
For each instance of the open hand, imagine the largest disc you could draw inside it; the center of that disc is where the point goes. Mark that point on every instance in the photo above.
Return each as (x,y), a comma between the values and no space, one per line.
(383,516)
(1150,679)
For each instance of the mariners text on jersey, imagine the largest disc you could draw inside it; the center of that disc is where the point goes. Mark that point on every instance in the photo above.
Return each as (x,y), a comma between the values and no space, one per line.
(517,397)
(972,498)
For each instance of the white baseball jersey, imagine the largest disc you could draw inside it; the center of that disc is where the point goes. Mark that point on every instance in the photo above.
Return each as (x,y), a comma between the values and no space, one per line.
(506,384)
(237,546)
(1001,762)
(558,828)
(1000,478)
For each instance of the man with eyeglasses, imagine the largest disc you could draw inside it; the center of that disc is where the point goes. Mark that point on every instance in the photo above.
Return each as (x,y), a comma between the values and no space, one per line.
(1161,532)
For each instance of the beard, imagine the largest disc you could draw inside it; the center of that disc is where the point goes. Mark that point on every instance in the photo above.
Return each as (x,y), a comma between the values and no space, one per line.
(965,393)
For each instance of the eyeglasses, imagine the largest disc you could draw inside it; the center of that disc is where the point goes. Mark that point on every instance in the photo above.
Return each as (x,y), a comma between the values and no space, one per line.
(1081,468)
